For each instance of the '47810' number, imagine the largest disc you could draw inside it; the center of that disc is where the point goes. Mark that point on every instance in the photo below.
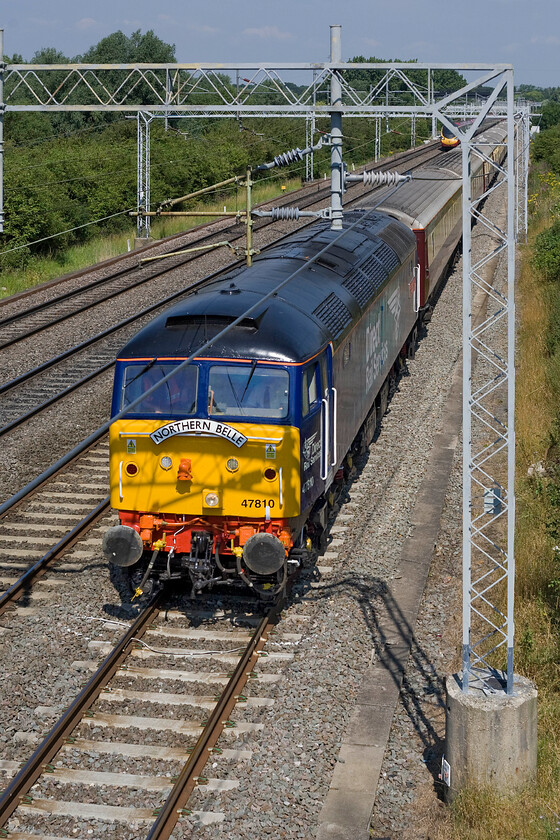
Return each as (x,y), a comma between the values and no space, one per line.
(257,503)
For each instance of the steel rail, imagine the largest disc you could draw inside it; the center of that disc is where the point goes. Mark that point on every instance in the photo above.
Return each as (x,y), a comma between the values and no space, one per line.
(19,421)
(32,769)
(36,483)
(39,568)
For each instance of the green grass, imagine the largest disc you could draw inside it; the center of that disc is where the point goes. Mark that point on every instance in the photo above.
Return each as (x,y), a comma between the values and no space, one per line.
(42,269)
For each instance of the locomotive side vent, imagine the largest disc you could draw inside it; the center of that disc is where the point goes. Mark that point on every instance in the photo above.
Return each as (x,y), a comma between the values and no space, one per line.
(333,313)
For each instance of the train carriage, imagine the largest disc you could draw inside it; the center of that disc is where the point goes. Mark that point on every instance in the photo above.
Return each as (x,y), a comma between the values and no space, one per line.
(431,205)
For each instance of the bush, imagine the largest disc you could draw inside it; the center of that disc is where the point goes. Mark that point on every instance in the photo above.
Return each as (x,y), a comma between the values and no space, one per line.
(546,257)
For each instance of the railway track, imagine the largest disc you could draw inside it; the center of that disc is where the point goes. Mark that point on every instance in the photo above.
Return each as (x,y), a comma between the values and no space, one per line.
(102,751)
(48,520)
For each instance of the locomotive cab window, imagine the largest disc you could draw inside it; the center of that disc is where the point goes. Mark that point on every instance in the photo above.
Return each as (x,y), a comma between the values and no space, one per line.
(248,391)
(176,397)
(311,389)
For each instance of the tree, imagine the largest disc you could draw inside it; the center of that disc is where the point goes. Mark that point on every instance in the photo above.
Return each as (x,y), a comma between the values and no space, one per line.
(136,49)
(550,115)
(546,147)
(443,81)
(49,55)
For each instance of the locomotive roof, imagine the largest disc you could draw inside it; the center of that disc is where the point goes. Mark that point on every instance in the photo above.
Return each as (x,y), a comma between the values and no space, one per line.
(316,307)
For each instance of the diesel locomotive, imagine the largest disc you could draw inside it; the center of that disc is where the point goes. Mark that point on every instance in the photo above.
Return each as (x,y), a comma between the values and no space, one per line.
(226,473)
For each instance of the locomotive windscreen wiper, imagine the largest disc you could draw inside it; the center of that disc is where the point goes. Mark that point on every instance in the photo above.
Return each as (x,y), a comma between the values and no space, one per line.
(141,372)
(253,366)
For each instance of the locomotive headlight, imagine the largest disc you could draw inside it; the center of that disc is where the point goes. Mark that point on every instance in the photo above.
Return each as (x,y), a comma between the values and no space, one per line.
(211,499)
(166,463)
(232,465)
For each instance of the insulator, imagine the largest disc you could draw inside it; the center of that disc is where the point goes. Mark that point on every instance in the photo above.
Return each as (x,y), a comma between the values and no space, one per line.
(289,157)
(378,179)
(285,214)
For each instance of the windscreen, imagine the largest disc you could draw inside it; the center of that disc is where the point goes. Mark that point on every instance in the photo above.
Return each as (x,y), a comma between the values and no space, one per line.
(176,397)
(248,391)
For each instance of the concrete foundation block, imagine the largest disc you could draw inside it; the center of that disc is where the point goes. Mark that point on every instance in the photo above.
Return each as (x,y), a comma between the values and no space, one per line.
(142,241)
(491,737)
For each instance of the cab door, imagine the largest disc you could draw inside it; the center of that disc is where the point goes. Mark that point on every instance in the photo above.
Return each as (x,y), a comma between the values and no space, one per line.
(329,419)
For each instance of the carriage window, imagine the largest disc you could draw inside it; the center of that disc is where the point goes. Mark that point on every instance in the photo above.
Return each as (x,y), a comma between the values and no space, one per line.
(176,397)
(311,393)
(248,391)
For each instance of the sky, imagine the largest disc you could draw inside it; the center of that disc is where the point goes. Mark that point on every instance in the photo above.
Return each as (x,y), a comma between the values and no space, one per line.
(525,33)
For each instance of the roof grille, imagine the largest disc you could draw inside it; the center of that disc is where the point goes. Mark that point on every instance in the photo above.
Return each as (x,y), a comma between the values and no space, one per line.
(387,256)
(397,239)
(334,314)
(359,285)
(376,271)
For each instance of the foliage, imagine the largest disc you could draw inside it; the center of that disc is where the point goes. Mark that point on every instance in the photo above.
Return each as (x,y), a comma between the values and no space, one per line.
(443,81)
(550,115)
(136,49)
(538,94)
(546,147)
(65,170)
(547,253)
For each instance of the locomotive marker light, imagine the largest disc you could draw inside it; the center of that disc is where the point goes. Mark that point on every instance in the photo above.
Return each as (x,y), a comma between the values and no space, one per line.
(211,498)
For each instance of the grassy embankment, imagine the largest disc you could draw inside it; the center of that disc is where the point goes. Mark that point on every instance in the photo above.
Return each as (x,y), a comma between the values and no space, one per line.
(41,269)
(533,814)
